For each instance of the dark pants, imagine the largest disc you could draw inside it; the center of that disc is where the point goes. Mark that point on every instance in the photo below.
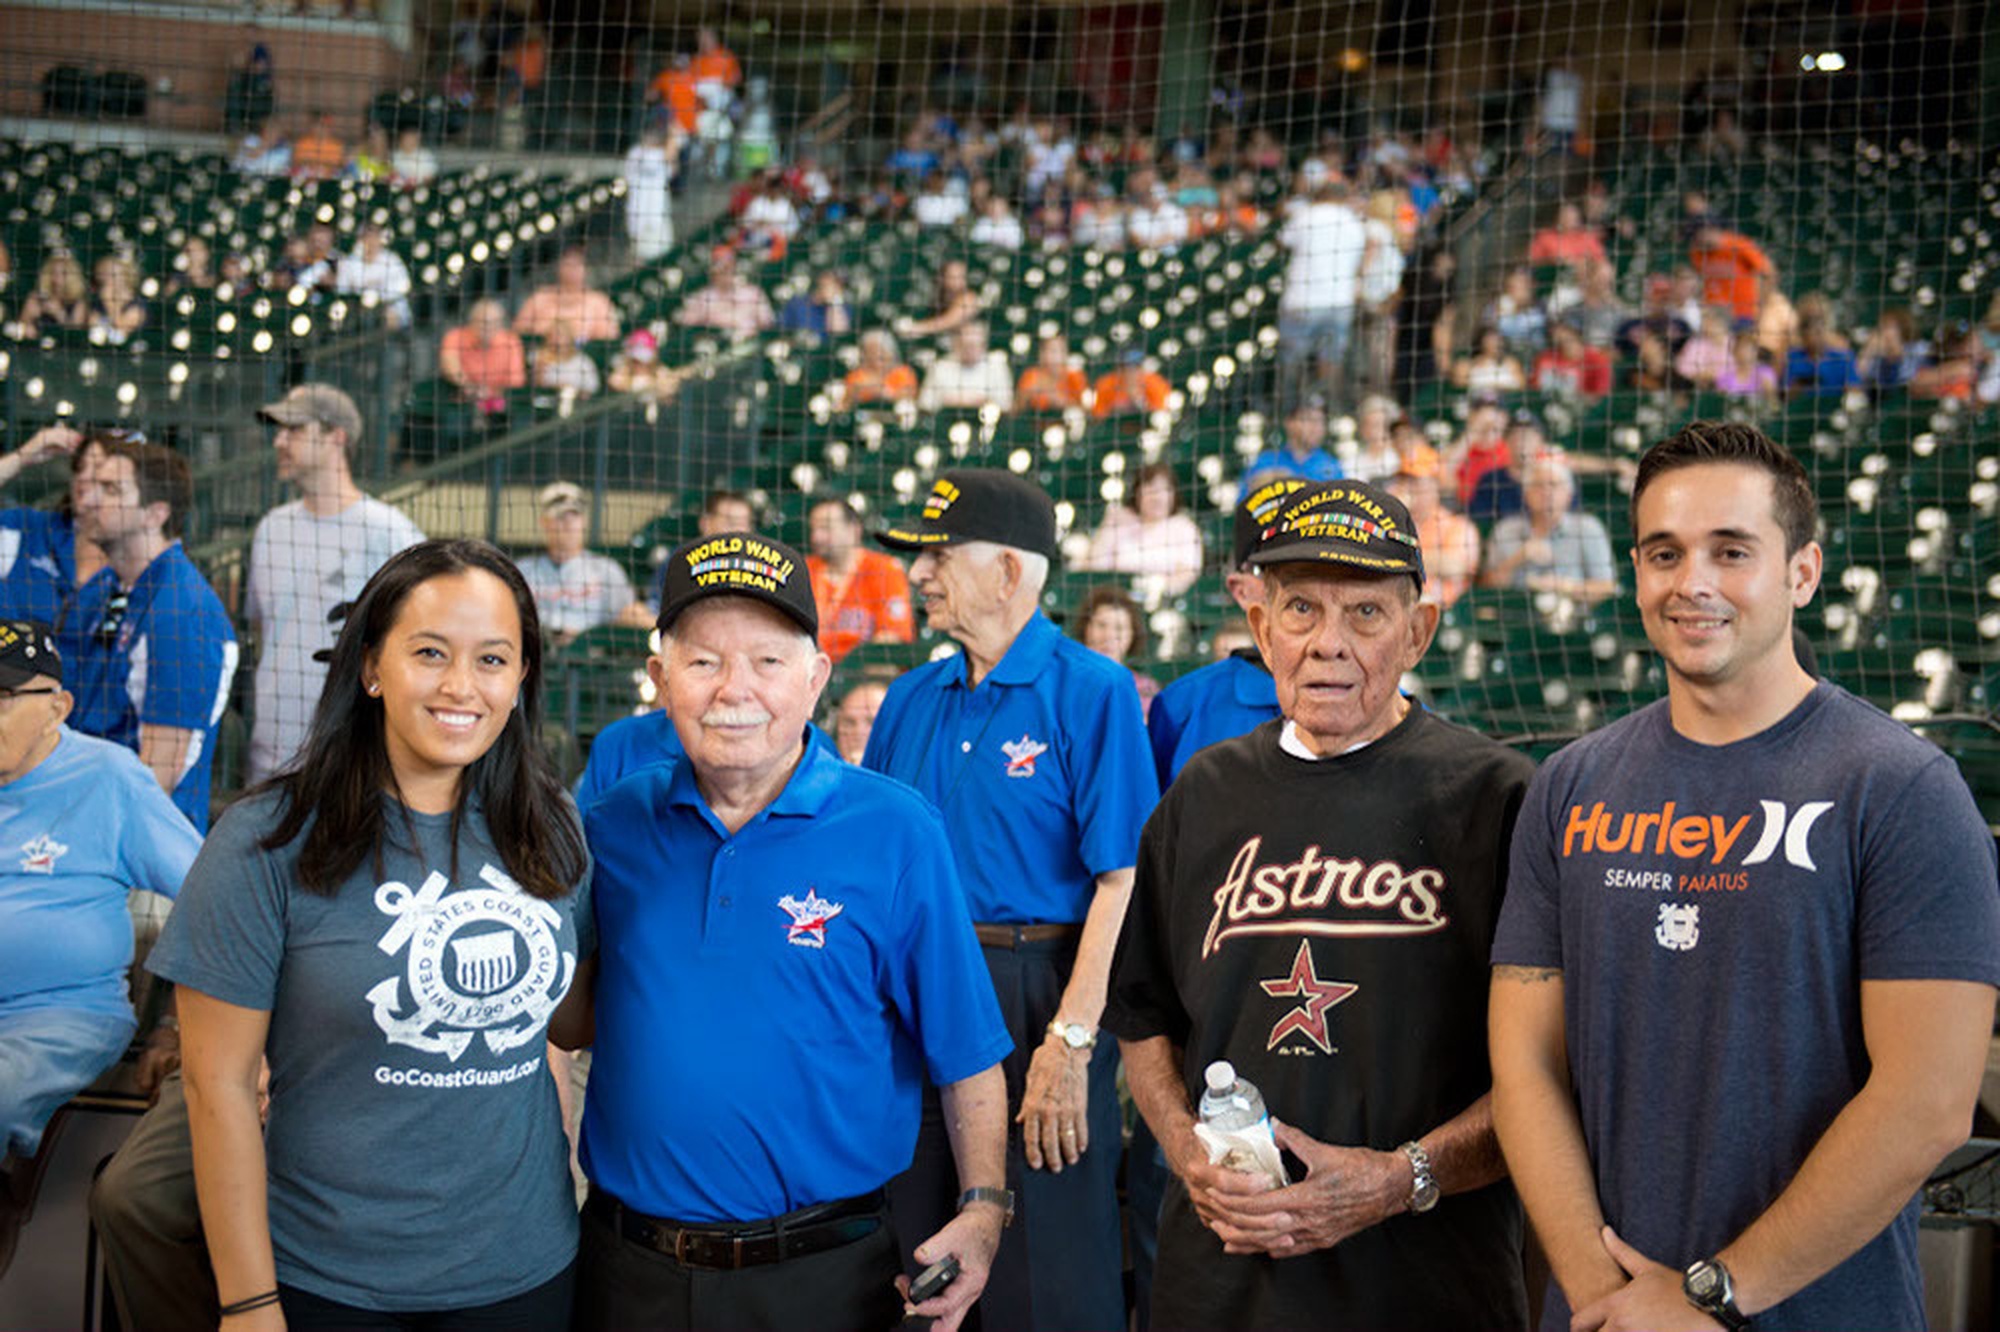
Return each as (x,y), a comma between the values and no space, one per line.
(1061,1263)
(622,1285)
(149,1224)
(543,1309)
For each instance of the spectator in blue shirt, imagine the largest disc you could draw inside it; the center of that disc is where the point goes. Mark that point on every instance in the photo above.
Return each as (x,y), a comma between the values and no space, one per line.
(41,562)
(1820,364)
(823,312)
(1303,453)
(155,652)
(84,824)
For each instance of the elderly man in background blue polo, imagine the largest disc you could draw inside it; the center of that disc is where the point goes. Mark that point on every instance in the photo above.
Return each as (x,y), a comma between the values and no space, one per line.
(784,956)
(1033,749)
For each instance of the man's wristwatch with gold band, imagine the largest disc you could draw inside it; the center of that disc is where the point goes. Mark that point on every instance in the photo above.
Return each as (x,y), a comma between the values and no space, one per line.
(1073,1034)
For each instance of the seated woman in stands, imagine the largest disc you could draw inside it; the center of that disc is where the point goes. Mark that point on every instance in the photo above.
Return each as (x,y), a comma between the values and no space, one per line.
(91,824)
(115,306)
(1491,368)
(563,366)
(955,303)
(1153,538)
(60,299)
(1110,623)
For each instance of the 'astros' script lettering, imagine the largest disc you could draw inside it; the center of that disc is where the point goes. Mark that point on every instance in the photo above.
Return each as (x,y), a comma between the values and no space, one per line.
(1383,898)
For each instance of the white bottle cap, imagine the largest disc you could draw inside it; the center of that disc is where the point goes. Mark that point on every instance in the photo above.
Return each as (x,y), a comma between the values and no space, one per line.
(1221,1076)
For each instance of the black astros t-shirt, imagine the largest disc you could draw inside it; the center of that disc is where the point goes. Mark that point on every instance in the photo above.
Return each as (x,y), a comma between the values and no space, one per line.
(1324,925)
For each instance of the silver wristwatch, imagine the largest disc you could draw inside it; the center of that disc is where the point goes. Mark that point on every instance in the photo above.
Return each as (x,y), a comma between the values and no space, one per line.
(1073,1034)
(1423,1187)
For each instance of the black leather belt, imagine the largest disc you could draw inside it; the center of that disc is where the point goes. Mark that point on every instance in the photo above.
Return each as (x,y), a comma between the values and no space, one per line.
(1013,936)
(725,1247)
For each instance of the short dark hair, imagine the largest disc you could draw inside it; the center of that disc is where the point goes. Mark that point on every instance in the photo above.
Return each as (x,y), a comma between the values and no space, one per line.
(717,498)
(1700,442)
(1111,594)
(163,477)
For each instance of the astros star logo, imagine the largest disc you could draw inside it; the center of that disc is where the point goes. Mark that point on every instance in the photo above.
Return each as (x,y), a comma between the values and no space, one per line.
(1309,1018)
(809,918)
(40,855)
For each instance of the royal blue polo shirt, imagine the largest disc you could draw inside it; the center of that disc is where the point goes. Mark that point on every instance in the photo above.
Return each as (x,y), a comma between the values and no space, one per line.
(1221,701)
(624,747)
(37,566)
(166,659)
(769,1002)
(1042,772)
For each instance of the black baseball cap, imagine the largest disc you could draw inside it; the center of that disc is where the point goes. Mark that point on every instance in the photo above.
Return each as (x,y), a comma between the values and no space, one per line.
(1343,522)
(1254,513)
(27,650)
(739,564)
(980,504)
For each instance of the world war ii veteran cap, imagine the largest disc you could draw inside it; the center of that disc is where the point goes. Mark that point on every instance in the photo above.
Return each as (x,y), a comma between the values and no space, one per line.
(1254,513)
(27,650)
(980,504)
(1343,522)
(739,564)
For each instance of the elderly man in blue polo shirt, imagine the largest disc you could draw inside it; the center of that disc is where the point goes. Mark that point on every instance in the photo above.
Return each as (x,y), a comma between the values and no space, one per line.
(784,955)
(1032,747)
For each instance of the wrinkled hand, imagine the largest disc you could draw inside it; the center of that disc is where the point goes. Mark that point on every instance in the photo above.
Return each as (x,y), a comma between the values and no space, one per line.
(1216,1191)
(973,1237)
(1652,1301)
(1539,550)
(1345,1191)
(161,1057)
(1055,1104)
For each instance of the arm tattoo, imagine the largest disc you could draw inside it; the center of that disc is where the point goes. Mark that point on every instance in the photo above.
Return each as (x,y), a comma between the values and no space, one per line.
(1528,973)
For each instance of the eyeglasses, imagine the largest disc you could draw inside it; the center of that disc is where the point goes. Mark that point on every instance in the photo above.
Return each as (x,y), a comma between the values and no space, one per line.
(115,606)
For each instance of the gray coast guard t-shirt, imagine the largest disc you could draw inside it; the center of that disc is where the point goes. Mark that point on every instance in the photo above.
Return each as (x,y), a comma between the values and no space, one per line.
(415,1150)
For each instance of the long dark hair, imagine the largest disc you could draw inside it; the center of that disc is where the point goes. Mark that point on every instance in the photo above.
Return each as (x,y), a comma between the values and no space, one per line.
(338,779)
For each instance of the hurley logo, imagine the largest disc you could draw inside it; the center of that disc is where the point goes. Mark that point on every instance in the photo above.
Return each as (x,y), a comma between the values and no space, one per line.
(1693,836)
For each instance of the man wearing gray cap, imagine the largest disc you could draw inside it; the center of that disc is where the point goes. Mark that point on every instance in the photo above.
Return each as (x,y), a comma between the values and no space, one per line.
(1314,903)
(576,589)
(1032,747)
(309,558)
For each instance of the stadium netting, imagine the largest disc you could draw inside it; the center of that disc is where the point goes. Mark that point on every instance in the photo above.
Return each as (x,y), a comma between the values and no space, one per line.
(1138,252)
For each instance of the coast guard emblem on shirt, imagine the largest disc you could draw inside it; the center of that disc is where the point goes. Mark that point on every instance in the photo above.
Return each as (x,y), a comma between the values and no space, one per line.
(482,962)
(1021,755)
(1679,928)
(40,855)
(809,918)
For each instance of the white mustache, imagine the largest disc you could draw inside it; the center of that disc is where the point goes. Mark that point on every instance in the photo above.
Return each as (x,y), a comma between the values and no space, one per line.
(735,717)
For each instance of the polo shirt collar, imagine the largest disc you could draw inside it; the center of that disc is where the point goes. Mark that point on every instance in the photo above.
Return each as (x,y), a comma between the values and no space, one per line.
(806,794)
(1025,656)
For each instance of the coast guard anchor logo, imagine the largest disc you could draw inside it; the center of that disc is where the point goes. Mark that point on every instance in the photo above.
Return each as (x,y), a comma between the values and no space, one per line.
(809,918)
(40,855)
(1679,928)
(482,962)
(1021,755)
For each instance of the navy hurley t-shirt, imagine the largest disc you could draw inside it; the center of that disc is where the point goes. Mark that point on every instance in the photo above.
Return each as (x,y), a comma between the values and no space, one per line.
(1714,910)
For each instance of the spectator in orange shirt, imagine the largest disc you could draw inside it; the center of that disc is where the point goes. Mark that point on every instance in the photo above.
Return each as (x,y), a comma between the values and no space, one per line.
(318,153)
(677,87)
(1051,384)
(571,300)
(1450,541)
(881,376)
(1568,242)
(1732,269)
(482,359)
(863,595)
(713,62)
(1130,389)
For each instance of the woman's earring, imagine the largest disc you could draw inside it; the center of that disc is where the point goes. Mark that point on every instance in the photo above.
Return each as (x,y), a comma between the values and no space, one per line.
(373,689)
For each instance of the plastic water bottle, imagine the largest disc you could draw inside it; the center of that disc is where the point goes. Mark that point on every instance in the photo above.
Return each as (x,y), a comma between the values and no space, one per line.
(1230,1104)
